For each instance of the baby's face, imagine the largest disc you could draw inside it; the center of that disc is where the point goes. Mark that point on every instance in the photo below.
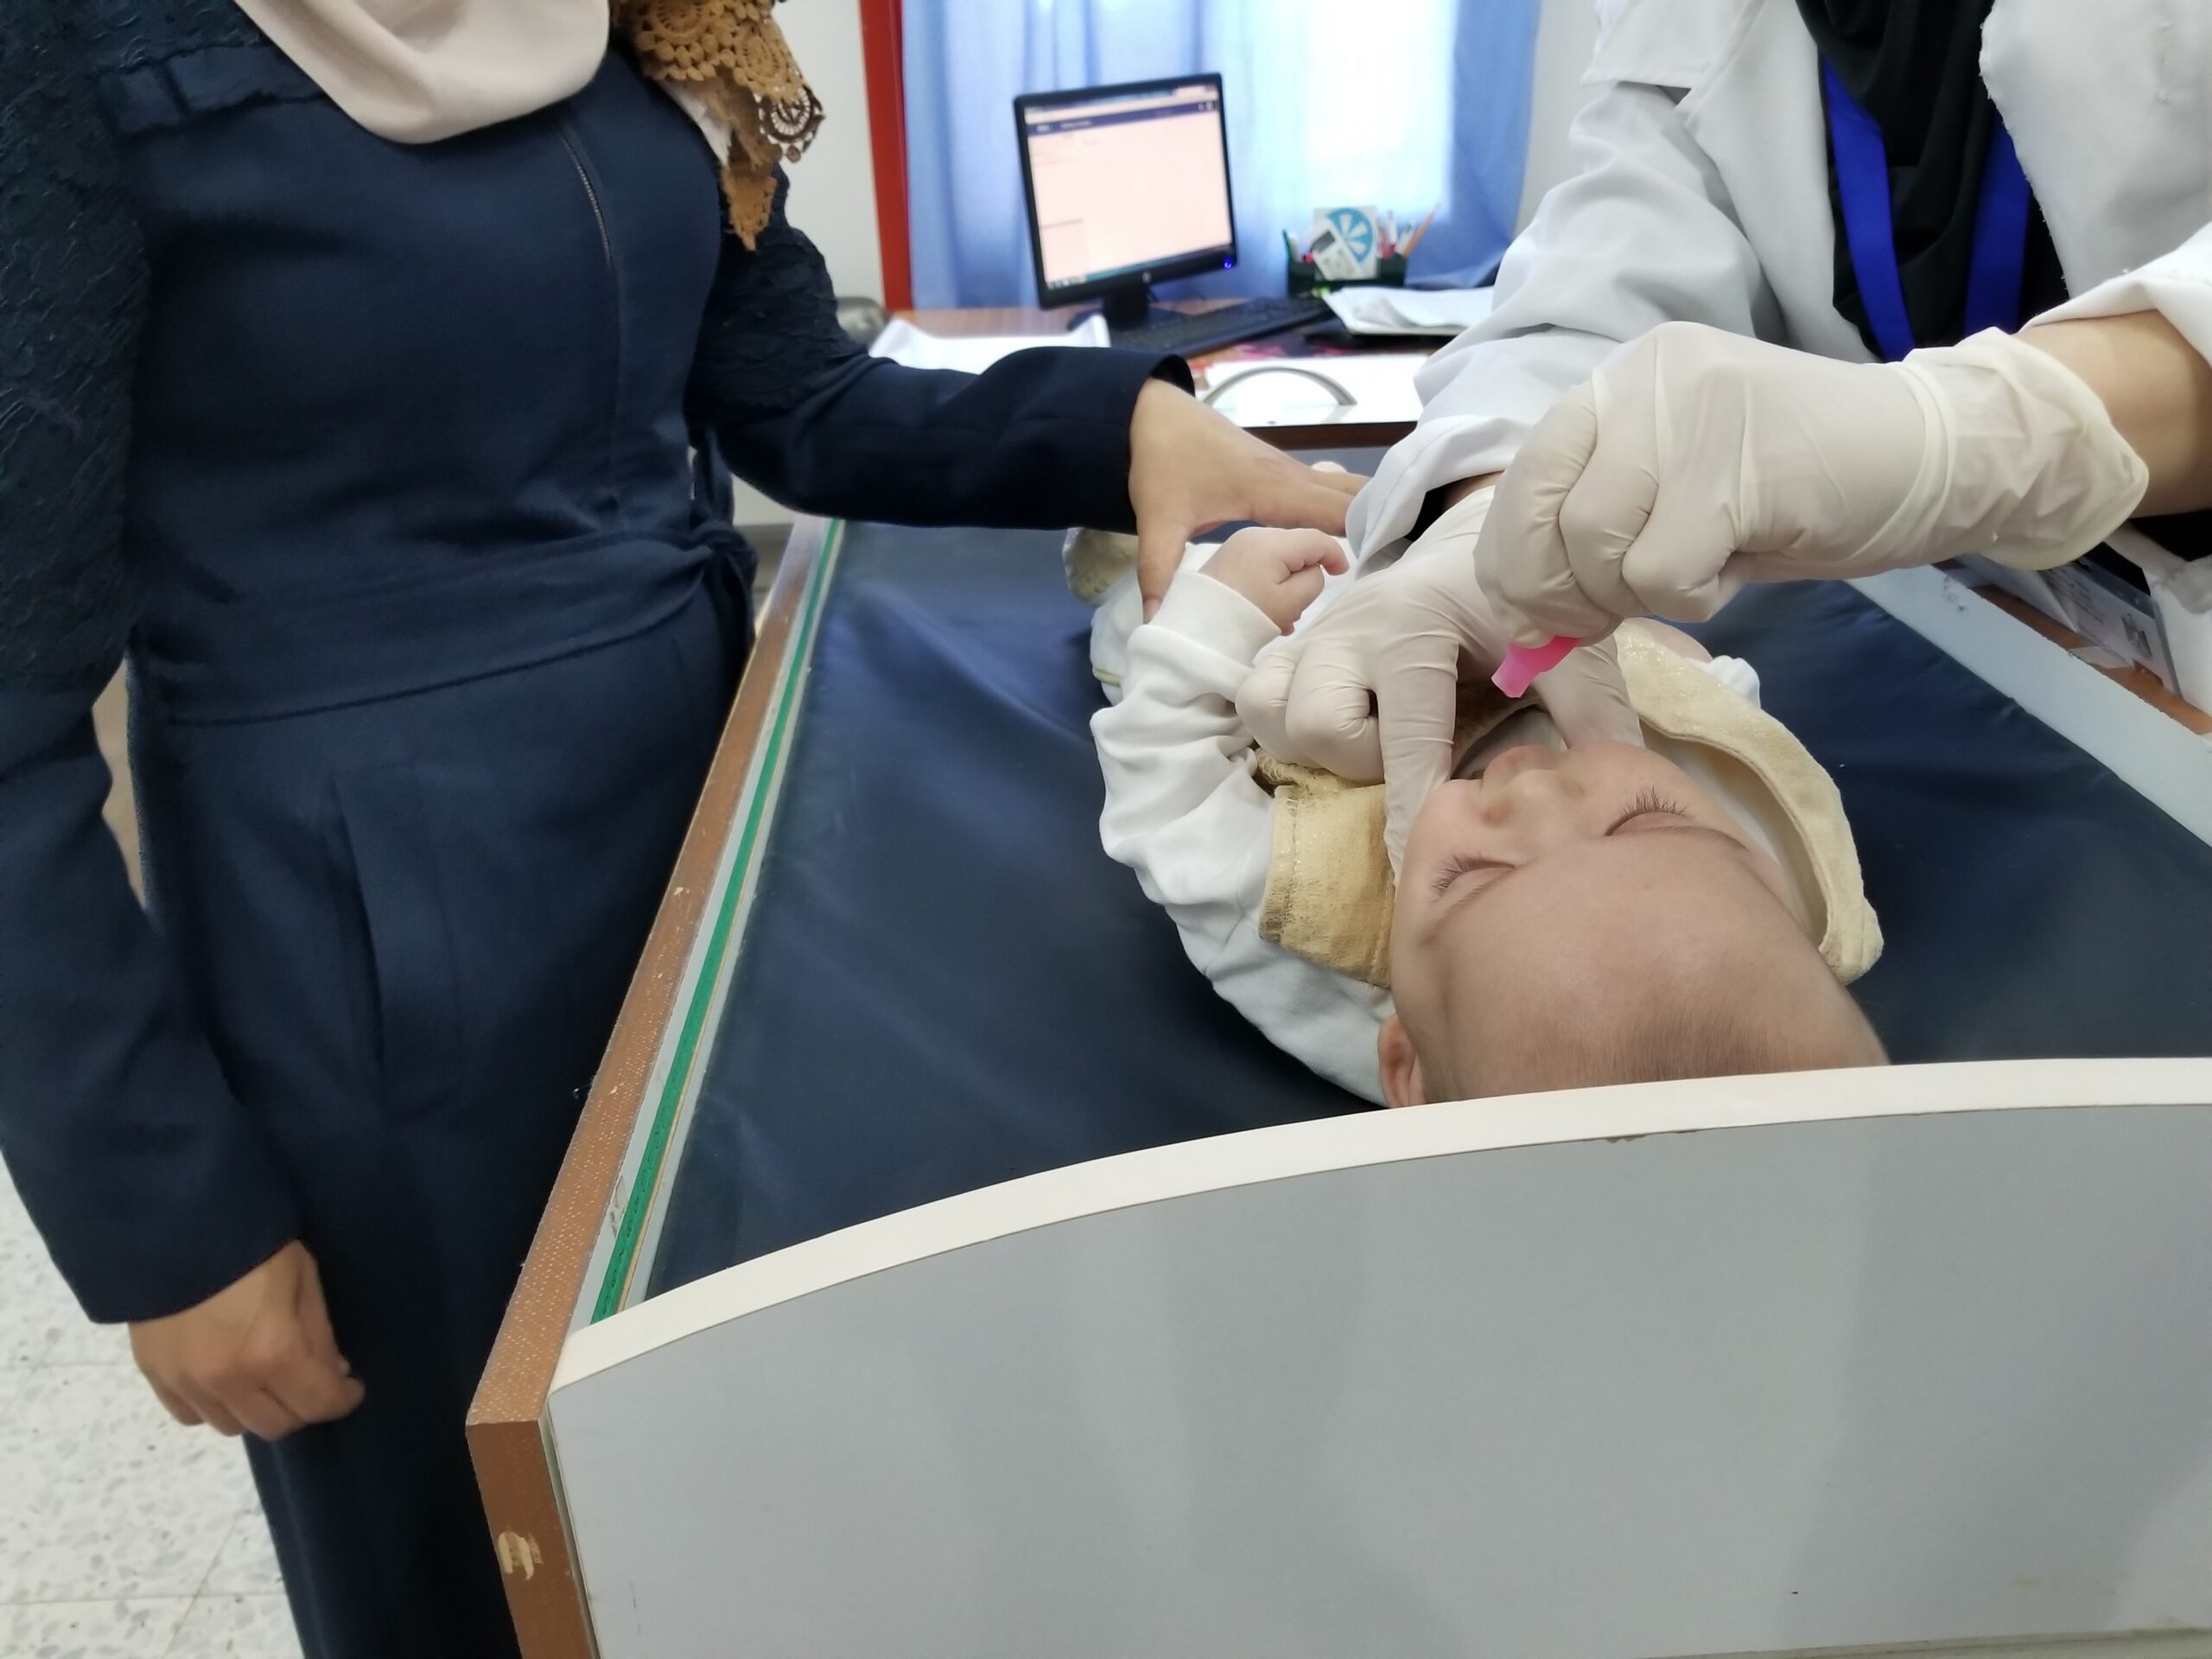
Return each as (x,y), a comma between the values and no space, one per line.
(1528,888)
(1533,805)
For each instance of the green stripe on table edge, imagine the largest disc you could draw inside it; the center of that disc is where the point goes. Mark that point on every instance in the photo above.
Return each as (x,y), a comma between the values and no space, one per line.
(616,1282)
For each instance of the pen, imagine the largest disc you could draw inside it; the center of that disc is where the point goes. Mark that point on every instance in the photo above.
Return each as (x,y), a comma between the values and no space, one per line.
(1413,241)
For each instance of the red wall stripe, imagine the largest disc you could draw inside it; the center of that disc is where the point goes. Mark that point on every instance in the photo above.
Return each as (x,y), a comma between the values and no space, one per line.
(883,48)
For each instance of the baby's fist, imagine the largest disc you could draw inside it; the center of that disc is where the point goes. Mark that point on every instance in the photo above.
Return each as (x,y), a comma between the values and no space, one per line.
(1280,571)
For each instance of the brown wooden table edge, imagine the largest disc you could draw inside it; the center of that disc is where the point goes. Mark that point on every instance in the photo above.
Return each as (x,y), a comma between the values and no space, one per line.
(506,1437)
(1346,434)
(2145,684)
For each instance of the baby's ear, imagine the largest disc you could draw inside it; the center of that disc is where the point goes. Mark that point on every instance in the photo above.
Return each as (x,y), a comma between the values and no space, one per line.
(1401,1067)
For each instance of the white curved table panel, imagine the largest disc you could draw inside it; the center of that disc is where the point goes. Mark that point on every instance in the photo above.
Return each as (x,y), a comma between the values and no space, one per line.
(1766,1365)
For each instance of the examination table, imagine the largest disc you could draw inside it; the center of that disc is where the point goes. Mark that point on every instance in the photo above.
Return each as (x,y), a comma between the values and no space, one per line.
(910,1288)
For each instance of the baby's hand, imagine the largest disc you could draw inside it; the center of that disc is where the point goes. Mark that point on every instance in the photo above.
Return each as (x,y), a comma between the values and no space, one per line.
(1279,570)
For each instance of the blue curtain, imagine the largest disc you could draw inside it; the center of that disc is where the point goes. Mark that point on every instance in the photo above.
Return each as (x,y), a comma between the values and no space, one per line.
(1401,104)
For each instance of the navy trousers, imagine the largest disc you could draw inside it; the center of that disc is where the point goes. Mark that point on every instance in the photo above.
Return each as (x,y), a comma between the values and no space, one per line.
(417,1008)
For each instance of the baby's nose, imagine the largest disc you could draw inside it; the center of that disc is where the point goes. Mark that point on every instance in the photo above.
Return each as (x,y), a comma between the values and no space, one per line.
(1522,781)
(1527,759)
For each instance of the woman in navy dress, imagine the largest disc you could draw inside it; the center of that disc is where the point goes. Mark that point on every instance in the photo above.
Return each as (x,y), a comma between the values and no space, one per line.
(372,392)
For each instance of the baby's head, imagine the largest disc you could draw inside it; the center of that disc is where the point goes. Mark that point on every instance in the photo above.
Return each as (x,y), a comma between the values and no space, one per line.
(1594,916)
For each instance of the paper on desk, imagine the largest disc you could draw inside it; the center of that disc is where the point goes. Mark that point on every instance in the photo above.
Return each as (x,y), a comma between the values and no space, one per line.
(1370,310)
(903,343)
(1261,391)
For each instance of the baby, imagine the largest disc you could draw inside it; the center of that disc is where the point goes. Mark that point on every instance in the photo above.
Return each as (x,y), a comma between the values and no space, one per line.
(1604,914)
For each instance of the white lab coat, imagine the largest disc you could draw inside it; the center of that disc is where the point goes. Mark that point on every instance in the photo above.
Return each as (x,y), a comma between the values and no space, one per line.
(1702,196)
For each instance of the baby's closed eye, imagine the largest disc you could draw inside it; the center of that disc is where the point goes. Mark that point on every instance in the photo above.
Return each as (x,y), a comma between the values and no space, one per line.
(1649,805)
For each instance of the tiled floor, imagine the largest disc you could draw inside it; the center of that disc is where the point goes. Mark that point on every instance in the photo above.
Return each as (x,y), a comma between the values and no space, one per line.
(122,1535)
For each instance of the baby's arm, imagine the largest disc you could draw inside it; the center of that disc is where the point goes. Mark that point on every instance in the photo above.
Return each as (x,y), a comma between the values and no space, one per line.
(1183,811)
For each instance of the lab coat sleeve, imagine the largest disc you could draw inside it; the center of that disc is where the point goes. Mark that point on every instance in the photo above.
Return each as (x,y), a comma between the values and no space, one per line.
(1039,441)
(151,1184)
(2177,285)
(1644,233)
(1184,811)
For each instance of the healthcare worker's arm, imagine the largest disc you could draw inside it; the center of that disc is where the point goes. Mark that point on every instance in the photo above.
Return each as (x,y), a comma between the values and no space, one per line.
(152,1186)
(2143,343)
(1109,440)
(1642,233)
(2156,386)
(1183,811)
(1693,462)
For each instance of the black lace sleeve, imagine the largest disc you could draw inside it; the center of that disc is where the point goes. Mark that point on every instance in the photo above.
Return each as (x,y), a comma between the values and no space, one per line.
(151,1184)
(73,287)
(801,411)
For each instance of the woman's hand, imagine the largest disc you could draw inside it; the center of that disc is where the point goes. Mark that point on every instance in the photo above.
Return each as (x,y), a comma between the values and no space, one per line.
(1370,689)
(257,1358)
(1191,468)
(1696,461)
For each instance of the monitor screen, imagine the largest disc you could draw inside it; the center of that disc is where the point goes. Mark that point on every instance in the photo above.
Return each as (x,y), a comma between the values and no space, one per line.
(1125,182)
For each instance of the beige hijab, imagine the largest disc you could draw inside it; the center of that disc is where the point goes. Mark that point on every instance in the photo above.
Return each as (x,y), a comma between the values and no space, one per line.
(418,71)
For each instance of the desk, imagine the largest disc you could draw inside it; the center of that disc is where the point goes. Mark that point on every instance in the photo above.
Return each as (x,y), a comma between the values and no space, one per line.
(741,1452)
(1292,343)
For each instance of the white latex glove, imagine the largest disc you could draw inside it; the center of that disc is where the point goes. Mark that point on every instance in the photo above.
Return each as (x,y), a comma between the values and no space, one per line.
(1696,461)
(1369,690)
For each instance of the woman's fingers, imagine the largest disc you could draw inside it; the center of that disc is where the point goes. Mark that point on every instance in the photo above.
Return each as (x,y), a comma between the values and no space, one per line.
(209,1409)
(310,1391)
(264,1415)
(175,1405)
(1310,500)
(1160,543)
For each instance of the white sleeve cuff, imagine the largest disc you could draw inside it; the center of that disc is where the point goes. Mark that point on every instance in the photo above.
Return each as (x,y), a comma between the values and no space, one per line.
(1216,616)
(1737,675)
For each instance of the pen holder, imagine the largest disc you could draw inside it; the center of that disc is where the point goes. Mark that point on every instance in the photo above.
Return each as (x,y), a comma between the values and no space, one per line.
(1306,279)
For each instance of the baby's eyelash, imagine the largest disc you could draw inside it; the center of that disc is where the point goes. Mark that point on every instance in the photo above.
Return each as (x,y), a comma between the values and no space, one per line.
(1651,802)
(1450,873)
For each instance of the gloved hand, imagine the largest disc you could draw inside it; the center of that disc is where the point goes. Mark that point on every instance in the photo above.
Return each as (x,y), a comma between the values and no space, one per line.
(1695,460)
(1369,690)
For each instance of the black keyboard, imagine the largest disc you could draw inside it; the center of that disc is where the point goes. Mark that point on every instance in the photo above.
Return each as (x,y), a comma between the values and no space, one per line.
(1188,335)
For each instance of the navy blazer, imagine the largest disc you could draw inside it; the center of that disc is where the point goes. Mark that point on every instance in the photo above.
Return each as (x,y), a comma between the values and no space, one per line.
(324,424)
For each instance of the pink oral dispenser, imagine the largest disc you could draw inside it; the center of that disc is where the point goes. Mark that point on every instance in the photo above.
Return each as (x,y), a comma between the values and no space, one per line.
(1523,663)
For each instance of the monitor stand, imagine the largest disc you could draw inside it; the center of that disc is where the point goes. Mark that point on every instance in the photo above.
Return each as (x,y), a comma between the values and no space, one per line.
(1124,308)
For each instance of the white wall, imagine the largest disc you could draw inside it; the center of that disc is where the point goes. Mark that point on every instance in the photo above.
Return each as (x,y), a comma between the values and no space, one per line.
(833,185)
(1564,41)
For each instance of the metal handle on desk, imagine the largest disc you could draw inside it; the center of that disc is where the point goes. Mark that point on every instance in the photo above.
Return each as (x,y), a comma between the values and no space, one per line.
(1345,399)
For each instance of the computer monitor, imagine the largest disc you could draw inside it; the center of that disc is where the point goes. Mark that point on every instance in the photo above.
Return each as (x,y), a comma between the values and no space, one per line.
(1127,186)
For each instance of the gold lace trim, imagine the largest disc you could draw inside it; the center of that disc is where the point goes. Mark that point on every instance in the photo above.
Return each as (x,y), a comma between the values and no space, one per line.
(733,58)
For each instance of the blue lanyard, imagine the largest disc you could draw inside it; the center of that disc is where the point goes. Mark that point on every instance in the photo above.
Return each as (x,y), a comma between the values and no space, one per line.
(2000,225)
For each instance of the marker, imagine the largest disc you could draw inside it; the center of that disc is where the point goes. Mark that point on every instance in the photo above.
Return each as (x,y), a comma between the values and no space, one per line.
(1523,663)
